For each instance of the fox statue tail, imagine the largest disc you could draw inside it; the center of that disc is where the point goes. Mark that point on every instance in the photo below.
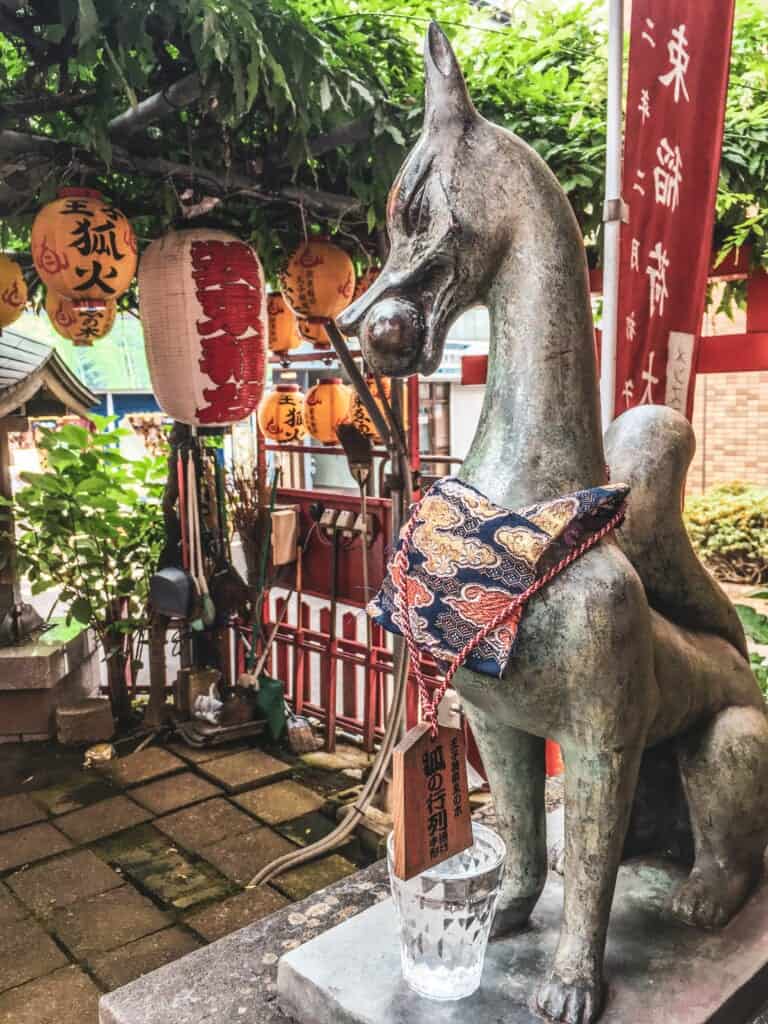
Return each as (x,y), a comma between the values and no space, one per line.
(650,447)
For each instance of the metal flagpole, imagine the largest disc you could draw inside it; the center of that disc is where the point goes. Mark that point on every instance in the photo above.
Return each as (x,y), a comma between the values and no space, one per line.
(613,211)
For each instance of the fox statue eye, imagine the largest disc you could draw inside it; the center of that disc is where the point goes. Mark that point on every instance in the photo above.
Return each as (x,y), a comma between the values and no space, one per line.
(411,195)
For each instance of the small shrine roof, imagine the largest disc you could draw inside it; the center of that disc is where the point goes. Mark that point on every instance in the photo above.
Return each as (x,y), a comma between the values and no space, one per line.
(36,380)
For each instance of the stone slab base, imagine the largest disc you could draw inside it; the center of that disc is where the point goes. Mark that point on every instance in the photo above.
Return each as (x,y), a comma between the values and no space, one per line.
(36,678)
(658,970)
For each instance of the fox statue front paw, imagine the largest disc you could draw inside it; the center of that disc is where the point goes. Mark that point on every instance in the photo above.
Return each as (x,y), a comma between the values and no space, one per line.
(576,1001)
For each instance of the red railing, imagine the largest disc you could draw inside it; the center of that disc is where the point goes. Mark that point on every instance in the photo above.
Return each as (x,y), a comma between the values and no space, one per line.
(335,676)
(344,683)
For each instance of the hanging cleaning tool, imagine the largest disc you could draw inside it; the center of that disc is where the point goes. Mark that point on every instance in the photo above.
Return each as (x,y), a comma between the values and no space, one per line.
(207,615)
(299,732)
(229,591)
(171,589)
(270,696)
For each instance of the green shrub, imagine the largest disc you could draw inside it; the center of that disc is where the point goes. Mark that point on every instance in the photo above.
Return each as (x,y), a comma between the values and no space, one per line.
(756,628)
(760,668)
(729,530)
(92,526)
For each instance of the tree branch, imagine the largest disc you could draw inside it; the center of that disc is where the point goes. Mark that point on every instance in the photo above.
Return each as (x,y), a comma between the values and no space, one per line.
(46,104)
(161,104)
(317,199)
(344,135)
(22,144)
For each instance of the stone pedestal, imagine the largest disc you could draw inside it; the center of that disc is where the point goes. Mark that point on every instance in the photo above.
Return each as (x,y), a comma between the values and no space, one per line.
(236,978)
(37,677)
(85,721)
(658,970)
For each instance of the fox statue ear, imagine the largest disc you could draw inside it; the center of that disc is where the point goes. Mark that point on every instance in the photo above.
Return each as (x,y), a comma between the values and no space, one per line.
(446,98)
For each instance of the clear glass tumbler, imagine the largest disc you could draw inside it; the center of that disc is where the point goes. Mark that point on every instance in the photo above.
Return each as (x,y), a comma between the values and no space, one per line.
(445,917)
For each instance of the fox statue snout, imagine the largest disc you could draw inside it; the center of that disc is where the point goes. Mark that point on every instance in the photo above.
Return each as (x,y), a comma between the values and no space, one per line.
(391,334)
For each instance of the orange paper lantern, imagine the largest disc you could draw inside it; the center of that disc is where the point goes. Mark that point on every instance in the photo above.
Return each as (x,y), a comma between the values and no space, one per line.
(13,291)
(358,414)
(313,330)
(203,307)
(83,248)
(326,406)
(281,414)
(283,331)
(60,312)
(319,279)
(365,281)
(79,324)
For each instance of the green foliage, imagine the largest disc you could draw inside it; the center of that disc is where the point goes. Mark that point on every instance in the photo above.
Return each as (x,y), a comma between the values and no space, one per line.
(760,668)
(754,622)
(742,201)
(280,75)
(756,628)
(728,527)
(92,525)
(545,79)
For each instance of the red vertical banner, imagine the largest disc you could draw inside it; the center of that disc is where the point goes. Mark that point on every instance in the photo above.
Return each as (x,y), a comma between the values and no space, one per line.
(679,55)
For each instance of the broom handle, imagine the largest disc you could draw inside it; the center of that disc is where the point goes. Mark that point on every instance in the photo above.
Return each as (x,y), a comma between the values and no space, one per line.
(198,570)
(180,476)
(259,666)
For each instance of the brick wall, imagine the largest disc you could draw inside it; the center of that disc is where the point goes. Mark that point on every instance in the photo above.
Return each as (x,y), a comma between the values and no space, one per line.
(730,418)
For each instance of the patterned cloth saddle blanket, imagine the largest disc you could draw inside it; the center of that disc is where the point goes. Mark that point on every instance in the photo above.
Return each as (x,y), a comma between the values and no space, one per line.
(461,560)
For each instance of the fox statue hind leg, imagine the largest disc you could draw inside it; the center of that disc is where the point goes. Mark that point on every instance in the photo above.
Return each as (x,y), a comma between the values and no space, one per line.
(724,766)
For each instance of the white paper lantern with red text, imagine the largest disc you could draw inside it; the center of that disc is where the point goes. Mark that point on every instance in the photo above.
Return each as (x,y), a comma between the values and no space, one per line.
(203,305)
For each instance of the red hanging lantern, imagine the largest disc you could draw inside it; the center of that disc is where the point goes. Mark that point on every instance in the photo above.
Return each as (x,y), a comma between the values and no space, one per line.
(203,307)
(13,291)
(281,414)
(83,248)
(326,406)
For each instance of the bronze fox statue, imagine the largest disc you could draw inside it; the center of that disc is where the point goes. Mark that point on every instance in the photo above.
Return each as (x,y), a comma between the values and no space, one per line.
(633,659)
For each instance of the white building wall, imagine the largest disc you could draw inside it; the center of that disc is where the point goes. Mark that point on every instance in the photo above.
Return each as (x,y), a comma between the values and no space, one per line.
(466,403)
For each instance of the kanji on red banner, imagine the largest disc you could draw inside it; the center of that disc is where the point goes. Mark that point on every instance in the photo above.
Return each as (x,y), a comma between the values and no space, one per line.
(678,76)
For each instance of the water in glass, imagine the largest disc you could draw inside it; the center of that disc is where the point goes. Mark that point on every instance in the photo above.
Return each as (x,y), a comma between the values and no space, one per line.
(445,917)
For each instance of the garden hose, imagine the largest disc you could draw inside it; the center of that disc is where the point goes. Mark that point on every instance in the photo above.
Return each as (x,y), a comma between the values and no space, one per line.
(386,425)
(358,809)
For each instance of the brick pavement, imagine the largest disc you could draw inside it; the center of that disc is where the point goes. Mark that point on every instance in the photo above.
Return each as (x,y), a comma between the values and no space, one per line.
(106,875)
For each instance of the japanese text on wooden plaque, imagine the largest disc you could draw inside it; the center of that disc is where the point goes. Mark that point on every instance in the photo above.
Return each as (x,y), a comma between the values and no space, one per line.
(432,820)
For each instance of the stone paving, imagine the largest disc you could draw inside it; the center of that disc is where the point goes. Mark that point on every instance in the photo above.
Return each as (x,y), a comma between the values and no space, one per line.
(108,874)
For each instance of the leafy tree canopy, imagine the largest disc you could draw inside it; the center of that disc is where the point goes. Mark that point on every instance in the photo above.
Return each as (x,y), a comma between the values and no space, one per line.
(272,118)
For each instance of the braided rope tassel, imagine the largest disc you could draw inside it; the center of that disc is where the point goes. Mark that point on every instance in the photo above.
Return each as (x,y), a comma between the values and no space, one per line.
(429,705)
